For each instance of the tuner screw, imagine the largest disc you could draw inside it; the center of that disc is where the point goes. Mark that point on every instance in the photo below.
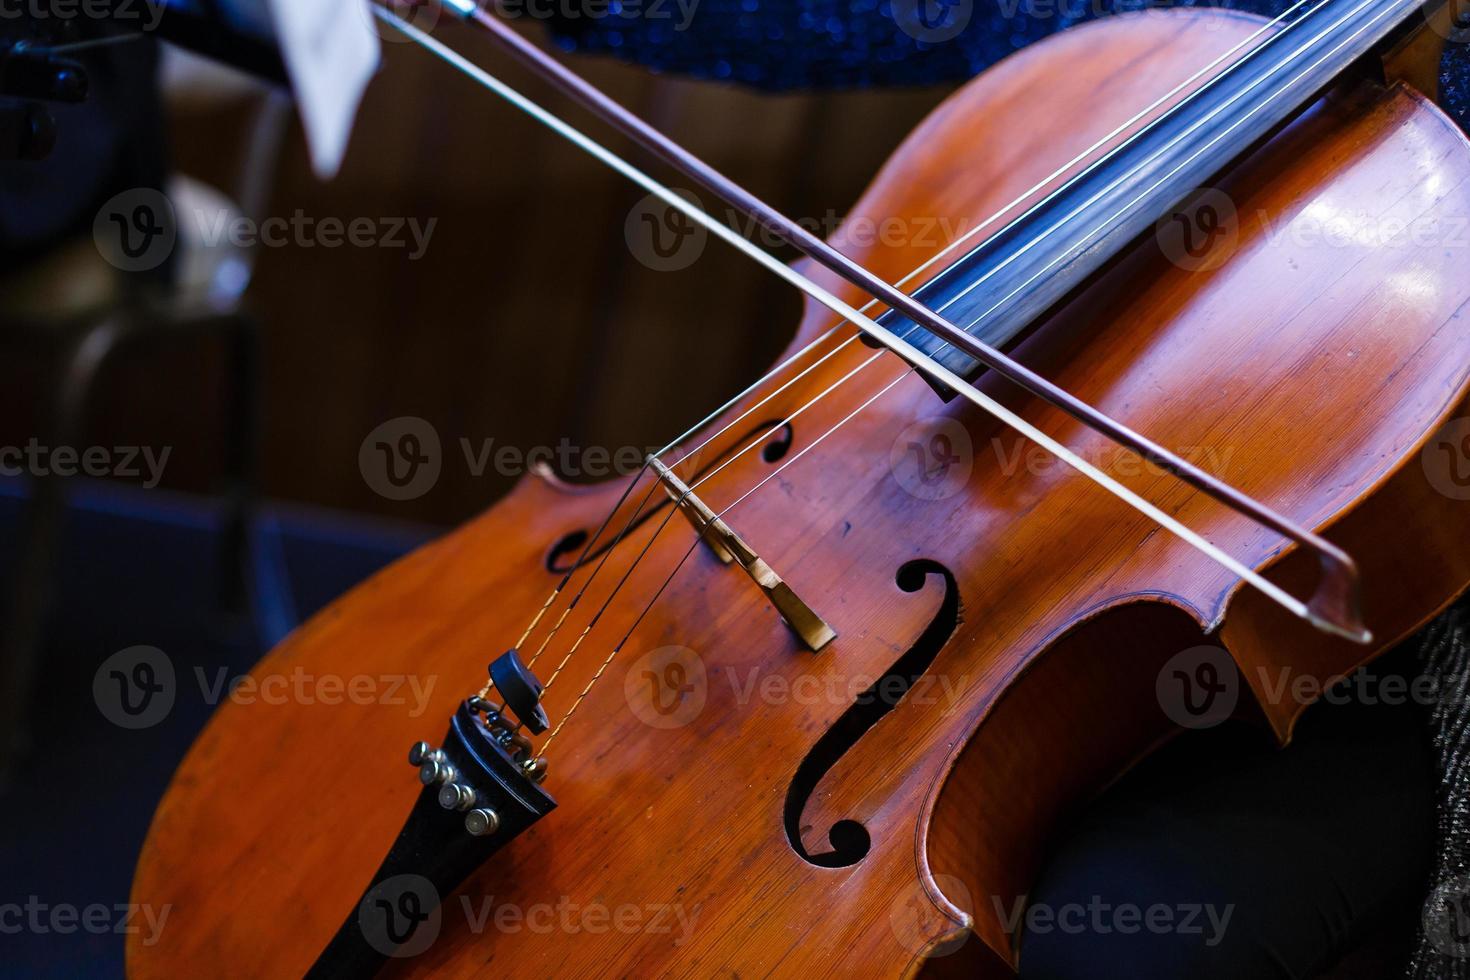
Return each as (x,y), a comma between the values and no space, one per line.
(456,796)
(482,822)
(419,753)
(535,768)
(479,705)
(436,771)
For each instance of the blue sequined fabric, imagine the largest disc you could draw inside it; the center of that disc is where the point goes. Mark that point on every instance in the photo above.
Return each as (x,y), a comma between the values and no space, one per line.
(783,45)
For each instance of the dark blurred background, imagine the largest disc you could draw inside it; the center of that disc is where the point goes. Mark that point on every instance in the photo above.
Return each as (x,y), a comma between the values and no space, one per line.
(528,318)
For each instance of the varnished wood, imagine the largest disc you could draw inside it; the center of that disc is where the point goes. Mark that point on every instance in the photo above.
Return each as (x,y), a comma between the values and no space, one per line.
(1317,372)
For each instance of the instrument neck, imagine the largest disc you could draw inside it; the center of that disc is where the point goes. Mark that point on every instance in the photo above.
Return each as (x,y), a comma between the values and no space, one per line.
(1031,263)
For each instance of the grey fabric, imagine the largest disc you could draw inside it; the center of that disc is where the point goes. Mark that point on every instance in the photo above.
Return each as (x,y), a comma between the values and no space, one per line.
(1443,949)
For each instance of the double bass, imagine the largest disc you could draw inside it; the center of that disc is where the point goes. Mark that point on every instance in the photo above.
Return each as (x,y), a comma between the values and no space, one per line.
(815,688)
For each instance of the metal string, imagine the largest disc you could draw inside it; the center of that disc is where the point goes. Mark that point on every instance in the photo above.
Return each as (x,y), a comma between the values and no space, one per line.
(1060,171)
(1212,143)
(891,341)
(612,655)
(968,289)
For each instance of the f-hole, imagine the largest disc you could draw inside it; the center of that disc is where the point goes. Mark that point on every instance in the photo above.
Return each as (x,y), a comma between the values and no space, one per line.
(564,550)
(776,437)
(850,839)
(778,444)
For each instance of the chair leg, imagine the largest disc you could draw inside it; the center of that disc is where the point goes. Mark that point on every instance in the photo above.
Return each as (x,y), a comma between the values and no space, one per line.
(31,591)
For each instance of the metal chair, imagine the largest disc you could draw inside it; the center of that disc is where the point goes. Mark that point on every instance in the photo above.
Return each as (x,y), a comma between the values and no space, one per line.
(82,311)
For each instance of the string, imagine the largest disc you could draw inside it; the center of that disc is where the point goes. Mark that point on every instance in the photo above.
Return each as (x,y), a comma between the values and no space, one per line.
(1118,487)
(708,476)
(1141,114)
(637,512)
(612,655)
(892,342)
(1339,586)
(1011,257)
(938,372)
(586,549)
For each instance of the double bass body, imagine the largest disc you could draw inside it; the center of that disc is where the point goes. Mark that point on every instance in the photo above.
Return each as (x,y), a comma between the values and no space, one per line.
(757,817)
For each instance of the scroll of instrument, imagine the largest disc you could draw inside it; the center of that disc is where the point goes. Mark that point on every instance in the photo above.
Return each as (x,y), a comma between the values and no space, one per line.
(1135,408)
